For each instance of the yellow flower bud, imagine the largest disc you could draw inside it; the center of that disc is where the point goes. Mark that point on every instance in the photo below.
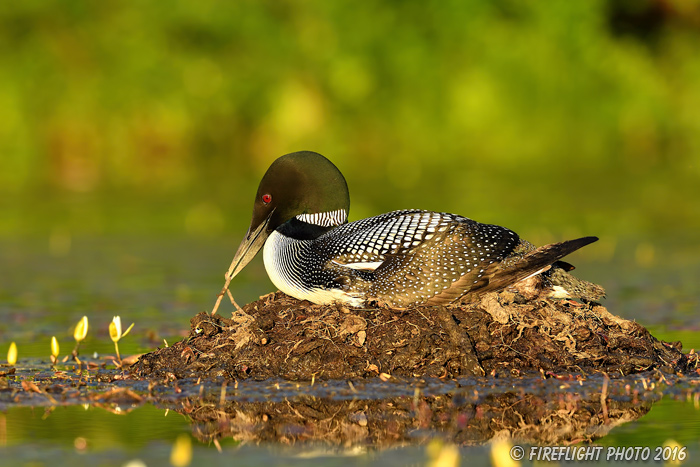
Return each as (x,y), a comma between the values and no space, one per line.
(115,329)
(115,333)
(501,454)
(12,354)
(54,347)
(81,329)
(181,455)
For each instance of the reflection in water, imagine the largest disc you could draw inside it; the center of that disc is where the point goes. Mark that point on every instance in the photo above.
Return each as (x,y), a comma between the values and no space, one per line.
(538,412)
(363,414)
(393,422)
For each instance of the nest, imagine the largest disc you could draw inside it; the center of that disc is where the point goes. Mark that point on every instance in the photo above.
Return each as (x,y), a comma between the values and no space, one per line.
(498,334)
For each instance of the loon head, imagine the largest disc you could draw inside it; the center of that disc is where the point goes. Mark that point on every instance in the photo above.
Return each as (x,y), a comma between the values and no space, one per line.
(302,185)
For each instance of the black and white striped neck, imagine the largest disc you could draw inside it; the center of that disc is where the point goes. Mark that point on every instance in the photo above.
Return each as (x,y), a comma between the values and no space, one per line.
(312,226)
(325,219)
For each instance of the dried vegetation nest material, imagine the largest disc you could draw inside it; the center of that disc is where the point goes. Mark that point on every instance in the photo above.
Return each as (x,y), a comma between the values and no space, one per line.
(498,334)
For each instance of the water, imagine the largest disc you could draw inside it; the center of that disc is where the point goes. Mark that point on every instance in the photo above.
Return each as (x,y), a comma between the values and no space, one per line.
(160,283)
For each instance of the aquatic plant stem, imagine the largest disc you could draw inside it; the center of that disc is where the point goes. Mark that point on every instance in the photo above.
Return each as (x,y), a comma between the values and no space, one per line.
(604,397)
(75,353)
(116,348)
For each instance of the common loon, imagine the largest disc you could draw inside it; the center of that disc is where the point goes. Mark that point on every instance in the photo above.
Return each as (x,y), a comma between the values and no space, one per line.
(399,258)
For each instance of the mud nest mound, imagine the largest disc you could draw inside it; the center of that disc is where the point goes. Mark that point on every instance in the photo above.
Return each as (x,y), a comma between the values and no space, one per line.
(498,334)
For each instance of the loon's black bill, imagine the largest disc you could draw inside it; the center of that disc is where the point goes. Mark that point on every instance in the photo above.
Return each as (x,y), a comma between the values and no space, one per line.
(249,247)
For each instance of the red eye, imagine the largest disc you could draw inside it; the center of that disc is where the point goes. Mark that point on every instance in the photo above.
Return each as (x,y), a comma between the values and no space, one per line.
(266,199)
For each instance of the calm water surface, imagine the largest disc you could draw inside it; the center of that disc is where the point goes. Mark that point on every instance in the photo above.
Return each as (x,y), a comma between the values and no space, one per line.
(159,284)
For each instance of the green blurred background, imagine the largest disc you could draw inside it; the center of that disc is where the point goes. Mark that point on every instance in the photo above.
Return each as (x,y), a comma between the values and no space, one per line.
(554,118)
(133,136)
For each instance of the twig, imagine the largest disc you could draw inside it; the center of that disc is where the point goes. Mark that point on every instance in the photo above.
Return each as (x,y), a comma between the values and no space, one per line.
(230,296)
(225,289)
(220,296)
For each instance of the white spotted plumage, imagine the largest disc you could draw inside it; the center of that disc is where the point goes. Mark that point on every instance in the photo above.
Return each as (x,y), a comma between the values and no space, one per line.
(410,255)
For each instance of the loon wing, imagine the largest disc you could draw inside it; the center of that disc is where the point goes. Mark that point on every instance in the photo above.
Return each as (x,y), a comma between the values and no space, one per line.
(502,275)
(413,256)
(366,244)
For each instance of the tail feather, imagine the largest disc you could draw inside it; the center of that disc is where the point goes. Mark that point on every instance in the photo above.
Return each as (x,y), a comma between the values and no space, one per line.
(534,262)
